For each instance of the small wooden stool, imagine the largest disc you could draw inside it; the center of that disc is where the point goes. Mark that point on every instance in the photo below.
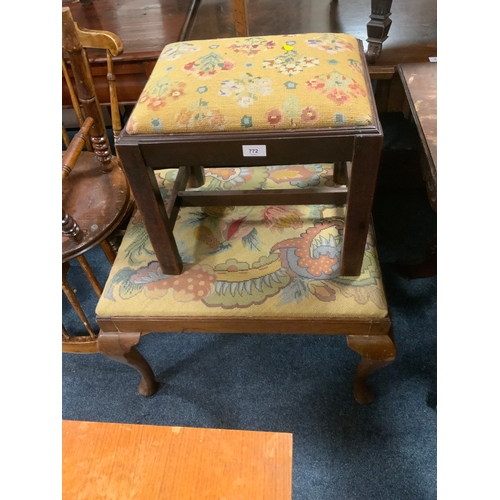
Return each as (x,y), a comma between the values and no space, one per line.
(255,101)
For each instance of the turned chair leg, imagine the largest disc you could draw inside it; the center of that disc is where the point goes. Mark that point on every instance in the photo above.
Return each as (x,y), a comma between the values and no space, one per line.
(376,352)
(120,347)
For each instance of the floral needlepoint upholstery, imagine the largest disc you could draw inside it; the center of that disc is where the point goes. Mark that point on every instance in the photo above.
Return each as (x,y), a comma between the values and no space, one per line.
(265,261)
(256,83)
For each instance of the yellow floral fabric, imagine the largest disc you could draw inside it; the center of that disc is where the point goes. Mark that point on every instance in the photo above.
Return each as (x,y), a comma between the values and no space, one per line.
(255,83)
(266,261)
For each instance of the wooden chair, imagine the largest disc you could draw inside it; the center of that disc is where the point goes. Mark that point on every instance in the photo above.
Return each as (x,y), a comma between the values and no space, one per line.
(96,196)
(272,234)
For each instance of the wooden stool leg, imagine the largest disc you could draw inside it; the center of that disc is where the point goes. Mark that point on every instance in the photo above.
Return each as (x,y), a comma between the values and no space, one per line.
(376,352)
(340,173)
(120,347)
(361,191)
(149,201)
(196,177)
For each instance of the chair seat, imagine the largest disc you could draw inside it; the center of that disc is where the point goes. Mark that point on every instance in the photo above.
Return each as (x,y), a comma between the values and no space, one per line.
(302,81)
(260,261)
(96,200)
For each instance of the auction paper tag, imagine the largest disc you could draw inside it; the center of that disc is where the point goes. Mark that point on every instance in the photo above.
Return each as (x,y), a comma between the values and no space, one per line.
(259,150)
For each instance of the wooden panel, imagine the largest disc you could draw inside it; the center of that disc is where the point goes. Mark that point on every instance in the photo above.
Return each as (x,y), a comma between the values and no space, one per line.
(225,149)
(420,84)
(133,462)
(234,325)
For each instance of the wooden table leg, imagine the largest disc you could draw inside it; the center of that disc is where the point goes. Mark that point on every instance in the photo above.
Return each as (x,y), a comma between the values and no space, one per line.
(378,28)
(376,352)
(120,347)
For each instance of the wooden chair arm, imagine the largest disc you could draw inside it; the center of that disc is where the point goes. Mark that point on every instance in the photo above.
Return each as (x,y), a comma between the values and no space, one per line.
(75,147)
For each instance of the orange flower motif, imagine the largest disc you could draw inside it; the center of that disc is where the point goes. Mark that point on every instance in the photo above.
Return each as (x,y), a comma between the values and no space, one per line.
(155,103)
(227,66)
(226,173)
(337,96)
(357,89)
(274,116)
(183,117)
(131,125)
(309,115)
(176,93)
(315,84)
(217,119)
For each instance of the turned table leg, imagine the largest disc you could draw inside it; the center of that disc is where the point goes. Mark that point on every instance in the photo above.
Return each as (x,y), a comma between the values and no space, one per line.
(376,351)
(378,28)
(120,347)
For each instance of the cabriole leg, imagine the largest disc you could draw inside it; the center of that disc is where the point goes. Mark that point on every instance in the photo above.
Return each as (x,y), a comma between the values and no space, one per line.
(120,347)
(376,352)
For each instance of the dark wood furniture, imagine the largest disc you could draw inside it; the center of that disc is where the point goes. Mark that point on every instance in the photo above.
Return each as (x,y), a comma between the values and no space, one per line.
(95,193)
(354,150)
(377,28)
(420,84)
(111,460)
(361,146)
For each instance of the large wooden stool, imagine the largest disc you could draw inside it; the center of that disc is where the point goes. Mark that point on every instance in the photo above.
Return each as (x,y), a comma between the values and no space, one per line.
(259,269)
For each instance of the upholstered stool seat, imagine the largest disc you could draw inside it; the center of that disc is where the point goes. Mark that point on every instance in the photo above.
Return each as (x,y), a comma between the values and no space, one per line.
(259,269)
(255,83)
(266,261)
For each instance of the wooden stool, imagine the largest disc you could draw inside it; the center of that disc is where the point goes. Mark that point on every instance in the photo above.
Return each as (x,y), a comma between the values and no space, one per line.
(239,102)
(260,269)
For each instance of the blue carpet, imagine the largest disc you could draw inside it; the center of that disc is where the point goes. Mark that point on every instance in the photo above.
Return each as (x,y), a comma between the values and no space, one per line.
(297,383)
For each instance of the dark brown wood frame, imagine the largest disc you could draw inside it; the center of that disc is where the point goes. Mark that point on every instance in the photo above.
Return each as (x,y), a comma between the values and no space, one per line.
(371,338)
